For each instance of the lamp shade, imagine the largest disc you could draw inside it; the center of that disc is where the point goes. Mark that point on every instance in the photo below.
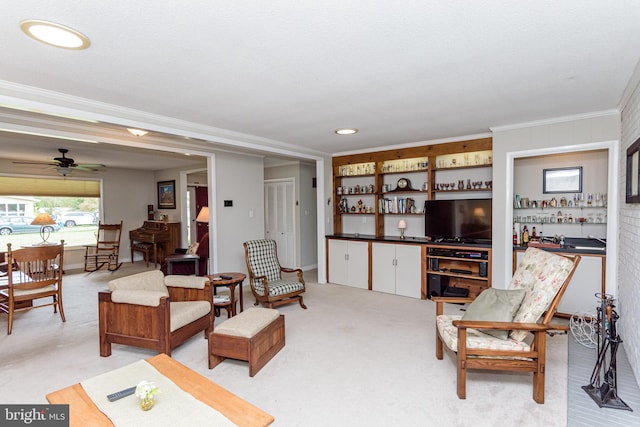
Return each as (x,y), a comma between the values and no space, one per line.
(43,219)
(402,224)
(203,216)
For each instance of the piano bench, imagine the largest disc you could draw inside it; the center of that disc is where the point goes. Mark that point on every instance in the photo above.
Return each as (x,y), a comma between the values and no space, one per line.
(146,249)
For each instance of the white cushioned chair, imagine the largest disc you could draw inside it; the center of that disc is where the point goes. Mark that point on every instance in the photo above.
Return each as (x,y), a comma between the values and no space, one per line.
(265,275)
(543,276)
(152,311)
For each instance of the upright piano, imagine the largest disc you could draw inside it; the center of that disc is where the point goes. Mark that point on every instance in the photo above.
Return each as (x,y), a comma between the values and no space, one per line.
(156,239)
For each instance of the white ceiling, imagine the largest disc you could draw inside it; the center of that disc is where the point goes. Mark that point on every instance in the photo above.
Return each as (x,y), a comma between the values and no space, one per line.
(287,73)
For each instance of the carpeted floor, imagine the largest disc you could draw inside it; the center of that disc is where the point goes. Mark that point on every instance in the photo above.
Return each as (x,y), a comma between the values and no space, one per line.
(354,358)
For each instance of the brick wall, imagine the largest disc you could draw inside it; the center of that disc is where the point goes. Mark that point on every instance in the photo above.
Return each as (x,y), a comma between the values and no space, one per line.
(629,243)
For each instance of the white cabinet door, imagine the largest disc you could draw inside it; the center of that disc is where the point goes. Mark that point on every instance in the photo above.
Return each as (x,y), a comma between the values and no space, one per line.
(408,270)
(349,263)
(338,262)
(585,283)
(383,268)
(358,264)
(579,297)
(397,269)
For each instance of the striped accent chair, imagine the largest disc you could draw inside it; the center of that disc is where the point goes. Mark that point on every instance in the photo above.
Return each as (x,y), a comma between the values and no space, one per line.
(268,285)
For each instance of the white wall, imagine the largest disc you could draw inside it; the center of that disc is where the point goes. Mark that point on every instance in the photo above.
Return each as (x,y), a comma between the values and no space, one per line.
(238,178)
(629,241)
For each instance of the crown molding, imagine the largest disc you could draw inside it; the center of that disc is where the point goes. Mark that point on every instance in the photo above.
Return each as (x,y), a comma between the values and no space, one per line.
(56,104)
(555,120)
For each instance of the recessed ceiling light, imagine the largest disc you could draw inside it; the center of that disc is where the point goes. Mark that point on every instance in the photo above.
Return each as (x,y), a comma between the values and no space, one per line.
(54,34)
(137,132)
(346,131)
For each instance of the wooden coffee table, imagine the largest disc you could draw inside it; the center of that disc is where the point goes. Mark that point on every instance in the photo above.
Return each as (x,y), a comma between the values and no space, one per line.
(83,412)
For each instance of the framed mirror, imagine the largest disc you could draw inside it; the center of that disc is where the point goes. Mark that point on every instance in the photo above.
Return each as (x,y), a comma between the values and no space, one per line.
(633,173)
(562,180)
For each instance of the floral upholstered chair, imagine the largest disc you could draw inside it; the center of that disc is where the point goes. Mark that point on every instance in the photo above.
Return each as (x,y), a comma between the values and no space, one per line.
(265,275)
(505,329)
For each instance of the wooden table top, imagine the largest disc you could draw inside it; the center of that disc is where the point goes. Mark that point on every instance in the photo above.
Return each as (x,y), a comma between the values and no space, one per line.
(235,278)
(83,412)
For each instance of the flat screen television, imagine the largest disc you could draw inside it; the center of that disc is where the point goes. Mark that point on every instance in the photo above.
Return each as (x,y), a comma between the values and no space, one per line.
(458,220)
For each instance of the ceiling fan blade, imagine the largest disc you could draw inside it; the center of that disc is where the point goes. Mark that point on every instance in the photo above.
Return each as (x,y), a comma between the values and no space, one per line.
(84,168)
(35,163)
(90,165)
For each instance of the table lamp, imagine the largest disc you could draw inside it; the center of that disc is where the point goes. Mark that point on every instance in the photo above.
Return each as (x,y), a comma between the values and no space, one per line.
(43,219)
(203,215)
(402,225)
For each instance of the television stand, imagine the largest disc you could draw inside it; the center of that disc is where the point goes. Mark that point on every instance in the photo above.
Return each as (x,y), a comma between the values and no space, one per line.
(459,265)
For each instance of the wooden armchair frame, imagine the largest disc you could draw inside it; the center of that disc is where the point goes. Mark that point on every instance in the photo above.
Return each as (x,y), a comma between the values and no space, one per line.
(106,251)
(533,360)
(149,327)
(33,273)
(262,255)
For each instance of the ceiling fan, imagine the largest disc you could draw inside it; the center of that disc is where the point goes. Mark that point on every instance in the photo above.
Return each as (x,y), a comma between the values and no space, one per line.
(65,165)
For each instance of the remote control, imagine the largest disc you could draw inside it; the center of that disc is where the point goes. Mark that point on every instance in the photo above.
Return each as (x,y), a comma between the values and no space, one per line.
(120,394)
(226,277)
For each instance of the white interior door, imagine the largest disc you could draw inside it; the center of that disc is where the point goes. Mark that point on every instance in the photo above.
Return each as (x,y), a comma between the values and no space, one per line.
(279,219)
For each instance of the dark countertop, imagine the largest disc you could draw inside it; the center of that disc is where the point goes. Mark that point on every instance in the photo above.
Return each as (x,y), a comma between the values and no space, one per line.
(397,239)
(574,245)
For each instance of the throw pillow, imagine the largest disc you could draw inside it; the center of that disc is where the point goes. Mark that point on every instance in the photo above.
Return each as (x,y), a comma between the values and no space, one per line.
(495,305)
(193,248)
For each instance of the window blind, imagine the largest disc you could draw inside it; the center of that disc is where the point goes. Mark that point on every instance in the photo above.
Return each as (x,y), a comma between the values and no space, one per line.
(16,186)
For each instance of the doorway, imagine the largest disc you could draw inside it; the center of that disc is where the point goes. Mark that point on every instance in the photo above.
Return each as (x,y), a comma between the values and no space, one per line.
(279,218)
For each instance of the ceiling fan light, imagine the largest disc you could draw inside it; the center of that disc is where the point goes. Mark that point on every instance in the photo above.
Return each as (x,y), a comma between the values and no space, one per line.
(54,34)
(63,170)
(137,132)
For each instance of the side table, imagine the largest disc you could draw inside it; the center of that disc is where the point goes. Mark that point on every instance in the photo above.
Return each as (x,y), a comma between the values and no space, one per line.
(173,258)
(236,279)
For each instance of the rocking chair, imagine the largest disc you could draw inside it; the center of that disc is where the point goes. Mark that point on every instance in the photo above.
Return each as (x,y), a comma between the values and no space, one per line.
(106,250)
(265,275)
(536,288)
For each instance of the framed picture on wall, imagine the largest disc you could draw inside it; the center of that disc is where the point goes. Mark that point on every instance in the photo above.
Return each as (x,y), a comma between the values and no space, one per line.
(562,180)
(633,173)
(167,194)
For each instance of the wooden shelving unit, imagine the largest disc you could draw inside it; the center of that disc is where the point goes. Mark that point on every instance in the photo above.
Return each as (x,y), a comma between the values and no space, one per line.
(369,171)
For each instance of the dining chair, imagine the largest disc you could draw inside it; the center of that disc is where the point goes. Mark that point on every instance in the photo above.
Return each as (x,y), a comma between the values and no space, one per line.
(33,273)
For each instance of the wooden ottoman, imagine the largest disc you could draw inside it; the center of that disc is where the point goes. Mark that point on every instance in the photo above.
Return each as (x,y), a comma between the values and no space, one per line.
(255,336)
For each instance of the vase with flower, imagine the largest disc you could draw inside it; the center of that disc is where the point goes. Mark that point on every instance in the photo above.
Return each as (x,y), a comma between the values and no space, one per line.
(145,391)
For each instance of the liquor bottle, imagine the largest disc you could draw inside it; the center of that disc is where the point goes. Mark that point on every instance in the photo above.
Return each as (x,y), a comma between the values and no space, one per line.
(525,236)
(533,233)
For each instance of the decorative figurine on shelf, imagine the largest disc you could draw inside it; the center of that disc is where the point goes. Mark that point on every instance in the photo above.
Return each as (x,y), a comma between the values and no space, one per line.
(343,206)
(361,208)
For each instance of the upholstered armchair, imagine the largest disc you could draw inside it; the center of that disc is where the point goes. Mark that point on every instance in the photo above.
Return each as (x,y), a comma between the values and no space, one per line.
(152,311)
(268,285)
(506,329)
